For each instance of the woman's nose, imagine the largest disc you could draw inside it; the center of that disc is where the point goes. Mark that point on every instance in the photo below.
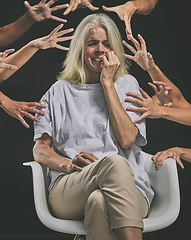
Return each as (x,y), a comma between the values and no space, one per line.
(100,48)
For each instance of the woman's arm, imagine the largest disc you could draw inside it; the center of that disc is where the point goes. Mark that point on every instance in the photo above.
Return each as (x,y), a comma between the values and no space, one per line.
(37,13)
(178,99)
(20,57)
(123,127)
(152,110)
(3,55)
(145,60)
(43,153)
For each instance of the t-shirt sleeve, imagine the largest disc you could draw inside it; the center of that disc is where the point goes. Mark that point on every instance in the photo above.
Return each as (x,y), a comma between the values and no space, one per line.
(129,84)
(45,122)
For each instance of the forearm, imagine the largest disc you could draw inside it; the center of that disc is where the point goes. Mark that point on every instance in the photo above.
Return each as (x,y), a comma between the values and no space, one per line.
(3,98)
(18,58)
(144,6)
(178,99)
(45,155)
(11,32)
(179,115)
(122,126)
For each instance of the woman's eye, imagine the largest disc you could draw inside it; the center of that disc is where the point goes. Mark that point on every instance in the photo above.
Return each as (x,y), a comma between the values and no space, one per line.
(91,43)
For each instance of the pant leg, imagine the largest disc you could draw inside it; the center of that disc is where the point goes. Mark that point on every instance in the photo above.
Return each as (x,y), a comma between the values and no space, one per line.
(96,219)
(114,177)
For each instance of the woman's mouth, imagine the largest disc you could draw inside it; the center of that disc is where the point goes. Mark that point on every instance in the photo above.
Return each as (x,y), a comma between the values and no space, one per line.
(97,60)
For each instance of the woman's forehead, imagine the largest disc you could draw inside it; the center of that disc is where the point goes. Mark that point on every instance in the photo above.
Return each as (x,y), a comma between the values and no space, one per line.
(97,32)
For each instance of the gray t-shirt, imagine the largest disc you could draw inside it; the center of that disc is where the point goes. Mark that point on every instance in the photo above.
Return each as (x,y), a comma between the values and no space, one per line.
(78,120)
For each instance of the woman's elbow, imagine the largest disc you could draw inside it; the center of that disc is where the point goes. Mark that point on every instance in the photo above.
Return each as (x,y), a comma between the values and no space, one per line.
(128,142)
(36,153)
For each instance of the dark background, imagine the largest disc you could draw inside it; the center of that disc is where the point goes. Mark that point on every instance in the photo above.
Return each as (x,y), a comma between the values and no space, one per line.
(166,31)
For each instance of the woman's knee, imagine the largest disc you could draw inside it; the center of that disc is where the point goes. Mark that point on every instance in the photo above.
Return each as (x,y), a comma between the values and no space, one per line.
(96,200)
(118,164)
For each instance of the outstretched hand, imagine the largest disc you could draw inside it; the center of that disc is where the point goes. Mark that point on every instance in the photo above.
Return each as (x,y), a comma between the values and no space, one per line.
(3,55)
(125,13)
(74,4)
(143,58)
(19,110)
(43,11)
(149,107)
(53,38)
(163,93)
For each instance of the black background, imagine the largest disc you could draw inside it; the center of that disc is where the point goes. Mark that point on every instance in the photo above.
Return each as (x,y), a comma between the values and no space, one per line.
(166,31)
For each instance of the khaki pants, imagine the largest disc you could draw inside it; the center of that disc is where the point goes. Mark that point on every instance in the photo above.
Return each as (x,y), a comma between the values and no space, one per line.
(104,194)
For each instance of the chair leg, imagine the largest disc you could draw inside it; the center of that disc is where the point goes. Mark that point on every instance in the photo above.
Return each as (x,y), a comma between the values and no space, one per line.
(79,237)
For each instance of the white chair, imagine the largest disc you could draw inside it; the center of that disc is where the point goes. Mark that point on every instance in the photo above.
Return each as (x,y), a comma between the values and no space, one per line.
(164,208)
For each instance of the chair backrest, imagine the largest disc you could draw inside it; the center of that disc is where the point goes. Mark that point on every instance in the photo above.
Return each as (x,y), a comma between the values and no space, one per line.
(164,208)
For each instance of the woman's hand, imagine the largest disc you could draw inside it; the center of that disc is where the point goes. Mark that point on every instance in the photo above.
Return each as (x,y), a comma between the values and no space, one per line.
(74,4)
(147,106)
(160,157)
(83,159)
(19,110)
(3,55)
(110,66)
(79,162)
(163,93)
(125,13)
(143,58)
(43,11)
(52,39)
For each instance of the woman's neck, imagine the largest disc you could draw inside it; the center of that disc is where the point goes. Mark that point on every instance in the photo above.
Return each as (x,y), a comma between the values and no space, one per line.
(93,78)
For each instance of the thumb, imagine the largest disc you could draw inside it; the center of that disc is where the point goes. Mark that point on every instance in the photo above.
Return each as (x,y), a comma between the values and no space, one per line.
(109,9)
(27,5)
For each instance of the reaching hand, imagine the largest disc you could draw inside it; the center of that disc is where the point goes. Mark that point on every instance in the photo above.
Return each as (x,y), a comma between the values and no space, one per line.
(43,11)
(160,157)
(125,13)
(53,38)
(3,55)
(143,58)
(163,93)
(19,110)
(146,105)
(74,4)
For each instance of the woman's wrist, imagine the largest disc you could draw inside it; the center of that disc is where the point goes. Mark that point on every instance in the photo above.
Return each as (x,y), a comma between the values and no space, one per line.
(67,166)
(153,70)
(143,7)
(35,45)
(132,6)
(3,98)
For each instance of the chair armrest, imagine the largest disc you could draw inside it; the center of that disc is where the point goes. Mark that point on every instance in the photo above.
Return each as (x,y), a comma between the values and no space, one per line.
(42,209)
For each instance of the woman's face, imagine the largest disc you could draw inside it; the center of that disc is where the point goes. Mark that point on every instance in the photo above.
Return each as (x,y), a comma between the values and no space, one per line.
(96,47)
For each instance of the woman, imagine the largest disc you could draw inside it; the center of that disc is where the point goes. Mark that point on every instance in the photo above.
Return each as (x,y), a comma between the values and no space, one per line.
(89,142)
